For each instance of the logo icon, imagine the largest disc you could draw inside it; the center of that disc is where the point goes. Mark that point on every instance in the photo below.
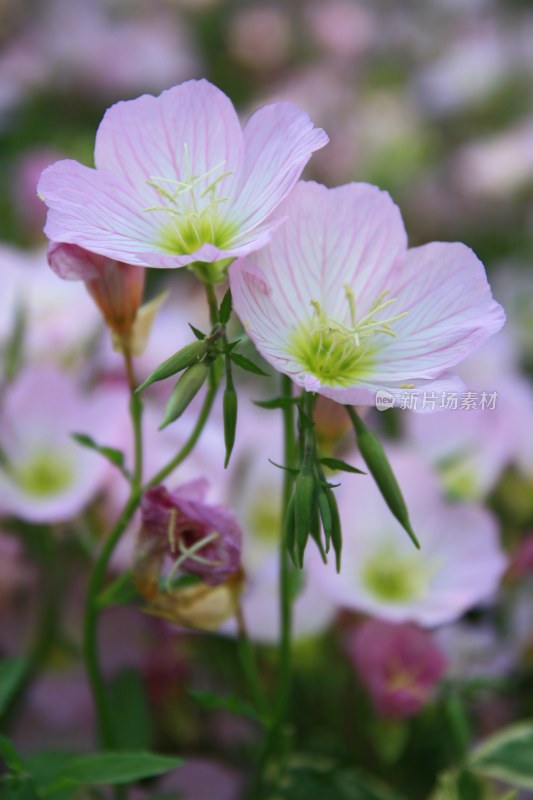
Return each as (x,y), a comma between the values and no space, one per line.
(384,400)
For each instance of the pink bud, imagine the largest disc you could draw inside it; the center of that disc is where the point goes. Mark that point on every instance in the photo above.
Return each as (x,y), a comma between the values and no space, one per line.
(398,664)
(116,288)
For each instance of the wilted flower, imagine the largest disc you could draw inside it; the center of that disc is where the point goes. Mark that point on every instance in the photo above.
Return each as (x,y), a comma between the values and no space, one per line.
(178,181)
(459,565)
(338,303)
(201,539)
(400,666)
(116,288)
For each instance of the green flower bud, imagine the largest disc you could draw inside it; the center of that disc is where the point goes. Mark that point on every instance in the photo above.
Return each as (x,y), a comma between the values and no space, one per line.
(184,358)
(230,420)
(184,391)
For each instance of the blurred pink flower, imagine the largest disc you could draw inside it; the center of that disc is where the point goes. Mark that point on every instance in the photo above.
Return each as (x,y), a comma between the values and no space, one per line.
(201,539)
(460,563)
(60,319)
(342,28)
(471,445)
(338,303)
(260,36)
(116,288)
(48,477)
(399,665)
(177,179)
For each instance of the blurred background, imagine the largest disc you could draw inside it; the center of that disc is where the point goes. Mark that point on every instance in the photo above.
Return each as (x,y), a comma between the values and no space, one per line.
(431,100)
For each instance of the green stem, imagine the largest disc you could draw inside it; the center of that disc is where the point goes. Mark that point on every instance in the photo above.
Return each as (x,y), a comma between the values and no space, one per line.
(92,613)
(272,742)
(212,303)
(249,667)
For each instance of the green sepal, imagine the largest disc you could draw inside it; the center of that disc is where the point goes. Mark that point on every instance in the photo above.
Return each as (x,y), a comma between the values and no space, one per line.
(245,363)
(224,312)
(197,332)
(338,465)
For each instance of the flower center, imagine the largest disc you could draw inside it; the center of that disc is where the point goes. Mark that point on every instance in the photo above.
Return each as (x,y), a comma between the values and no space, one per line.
(395,578)
(193,208)
(339,354)
(44,474)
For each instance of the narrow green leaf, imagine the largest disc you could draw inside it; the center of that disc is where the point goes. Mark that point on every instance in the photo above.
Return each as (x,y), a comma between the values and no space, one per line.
(377,462)
(12,674)
(116,767)
(286,469)
(337,464)
(245,363)
(224,311)
(336,530)
(507,756)
(325,516)
(276,402)
(113,455)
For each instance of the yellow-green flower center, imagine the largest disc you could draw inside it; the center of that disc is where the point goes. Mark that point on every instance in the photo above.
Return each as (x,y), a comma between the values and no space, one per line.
(193,207)
(339,353)
(45,474)
(395,577)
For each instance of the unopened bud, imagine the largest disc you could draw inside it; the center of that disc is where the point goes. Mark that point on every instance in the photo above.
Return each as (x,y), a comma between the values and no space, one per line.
(230,420)
(184,392)
(184,358)
(303,511)
(115,287)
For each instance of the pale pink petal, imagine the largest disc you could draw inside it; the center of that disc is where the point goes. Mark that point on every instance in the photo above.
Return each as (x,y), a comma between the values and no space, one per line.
(443,288)
(145,138)
(349,235)
(97,211)
(279,140)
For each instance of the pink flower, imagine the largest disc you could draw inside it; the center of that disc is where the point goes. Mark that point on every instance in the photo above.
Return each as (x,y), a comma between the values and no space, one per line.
(338,303)
(116,288)
(178,181)
(48,477)
(399,665)
(201,539)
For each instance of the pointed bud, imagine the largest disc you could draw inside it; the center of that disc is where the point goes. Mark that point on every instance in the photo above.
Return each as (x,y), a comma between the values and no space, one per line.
(377,462)
(115,287)
(230,420)
(184,392)
(186,357)
(303,511)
